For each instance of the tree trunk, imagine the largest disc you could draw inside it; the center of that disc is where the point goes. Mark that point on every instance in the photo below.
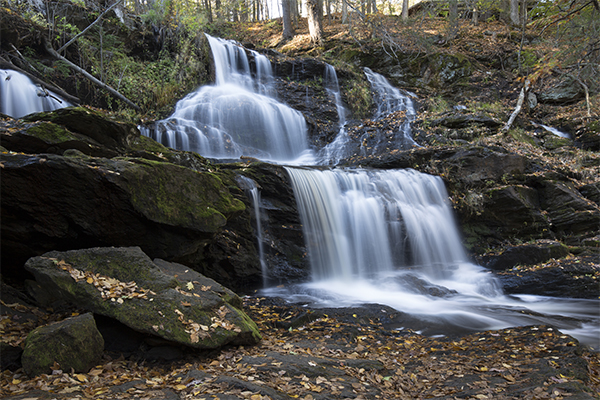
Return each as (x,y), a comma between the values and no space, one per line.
(315,27)
(514,12)
(288,28)
(453,20)
(345,11)
(404,10)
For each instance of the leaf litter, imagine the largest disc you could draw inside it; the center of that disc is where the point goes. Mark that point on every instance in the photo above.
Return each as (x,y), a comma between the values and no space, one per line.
(352,355)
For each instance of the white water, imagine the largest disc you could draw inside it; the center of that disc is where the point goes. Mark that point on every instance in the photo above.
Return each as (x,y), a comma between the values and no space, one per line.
(388,237)
(238,116)
(252,190)
(19,96)
(552,130)
(389,99)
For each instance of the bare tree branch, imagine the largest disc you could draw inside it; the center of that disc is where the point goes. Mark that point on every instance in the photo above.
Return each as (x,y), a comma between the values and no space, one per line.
(103,85)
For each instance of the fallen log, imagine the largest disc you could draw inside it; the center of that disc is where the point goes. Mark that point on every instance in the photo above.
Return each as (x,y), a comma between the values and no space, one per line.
(90,77)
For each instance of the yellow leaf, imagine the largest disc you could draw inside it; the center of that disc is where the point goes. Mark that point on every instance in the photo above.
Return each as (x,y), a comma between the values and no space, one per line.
(81,378)
(95,372)
(90,280)
(190,286)
(179,387)
(483,369)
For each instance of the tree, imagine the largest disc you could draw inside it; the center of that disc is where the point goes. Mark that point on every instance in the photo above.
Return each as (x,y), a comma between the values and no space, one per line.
(514,12)
(315,25)
(404,10)
(288,27)
(453,20)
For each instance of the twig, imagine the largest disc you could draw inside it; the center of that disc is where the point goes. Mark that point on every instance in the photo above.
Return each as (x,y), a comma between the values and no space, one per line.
(524,91)
(88,27)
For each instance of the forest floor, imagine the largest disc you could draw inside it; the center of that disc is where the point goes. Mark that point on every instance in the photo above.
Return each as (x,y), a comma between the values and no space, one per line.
(351,353)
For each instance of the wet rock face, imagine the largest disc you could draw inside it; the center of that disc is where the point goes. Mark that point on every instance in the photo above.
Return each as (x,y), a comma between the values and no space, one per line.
(72,343)
(159,298)
(528,254)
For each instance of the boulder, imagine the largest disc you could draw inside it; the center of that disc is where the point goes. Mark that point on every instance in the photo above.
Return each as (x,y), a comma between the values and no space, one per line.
(458,121)
(71,201)
(566,91)
(157,298)
(73,343)
(11,356)
(591,191)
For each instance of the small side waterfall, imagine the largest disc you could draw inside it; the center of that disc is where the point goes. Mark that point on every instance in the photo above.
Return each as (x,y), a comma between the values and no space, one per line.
(237,116)
(19,96)
(253,193)
(336,150)
(389,99)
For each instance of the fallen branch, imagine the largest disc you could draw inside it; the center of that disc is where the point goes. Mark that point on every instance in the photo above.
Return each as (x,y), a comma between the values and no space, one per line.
(103,85)
(522,95)
(89,26)
(4,64)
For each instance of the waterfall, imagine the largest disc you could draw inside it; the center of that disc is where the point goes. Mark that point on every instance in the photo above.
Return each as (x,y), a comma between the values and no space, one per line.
(389,99)
(253,193)
(389,237)
(360,224)
(19,96)
(238,116)
(335,151)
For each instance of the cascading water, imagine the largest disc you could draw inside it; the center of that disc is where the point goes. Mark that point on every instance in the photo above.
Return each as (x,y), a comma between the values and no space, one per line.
(254,194)
(19,96)
(389,99)
(388,237)
(336,150)
(237,116)
(384,237)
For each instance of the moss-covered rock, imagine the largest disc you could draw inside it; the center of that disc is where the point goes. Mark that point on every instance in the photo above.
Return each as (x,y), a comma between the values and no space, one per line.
(124,284)
(73,343)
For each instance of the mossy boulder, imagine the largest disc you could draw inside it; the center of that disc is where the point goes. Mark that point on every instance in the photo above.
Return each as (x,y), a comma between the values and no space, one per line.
(94,124)
(72,201)
(74,343)
(157,298)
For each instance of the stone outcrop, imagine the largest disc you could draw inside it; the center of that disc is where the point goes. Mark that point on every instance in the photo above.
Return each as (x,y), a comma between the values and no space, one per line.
(73,343)
(157,298)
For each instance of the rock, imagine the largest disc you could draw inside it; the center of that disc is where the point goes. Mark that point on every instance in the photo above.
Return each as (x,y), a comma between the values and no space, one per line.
(72,343)
(458,121)
(113,135)
(568,90)
(48,137)
(527,254)
(567,278)
(589,137)
(75,201)
(591,191)
(514,210)
(124,284)
(568,211)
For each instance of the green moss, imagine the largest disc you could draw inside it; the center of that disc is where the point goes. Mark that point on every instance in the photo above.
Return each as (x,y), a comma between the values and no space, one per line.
(175,195)
(521,136)
(144,143)
(552,142)
(50,133)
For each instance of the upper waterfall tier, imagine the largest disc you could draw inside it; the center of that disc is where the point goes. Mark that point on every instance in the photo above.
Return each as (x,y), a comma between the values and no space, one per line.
(19,96)
(238,116)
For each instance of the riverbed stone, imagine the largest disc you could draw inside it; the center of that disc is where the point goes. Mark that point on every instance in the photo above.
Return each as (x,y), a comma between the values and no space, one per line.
(526,254)
(73,343)
(125,284)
